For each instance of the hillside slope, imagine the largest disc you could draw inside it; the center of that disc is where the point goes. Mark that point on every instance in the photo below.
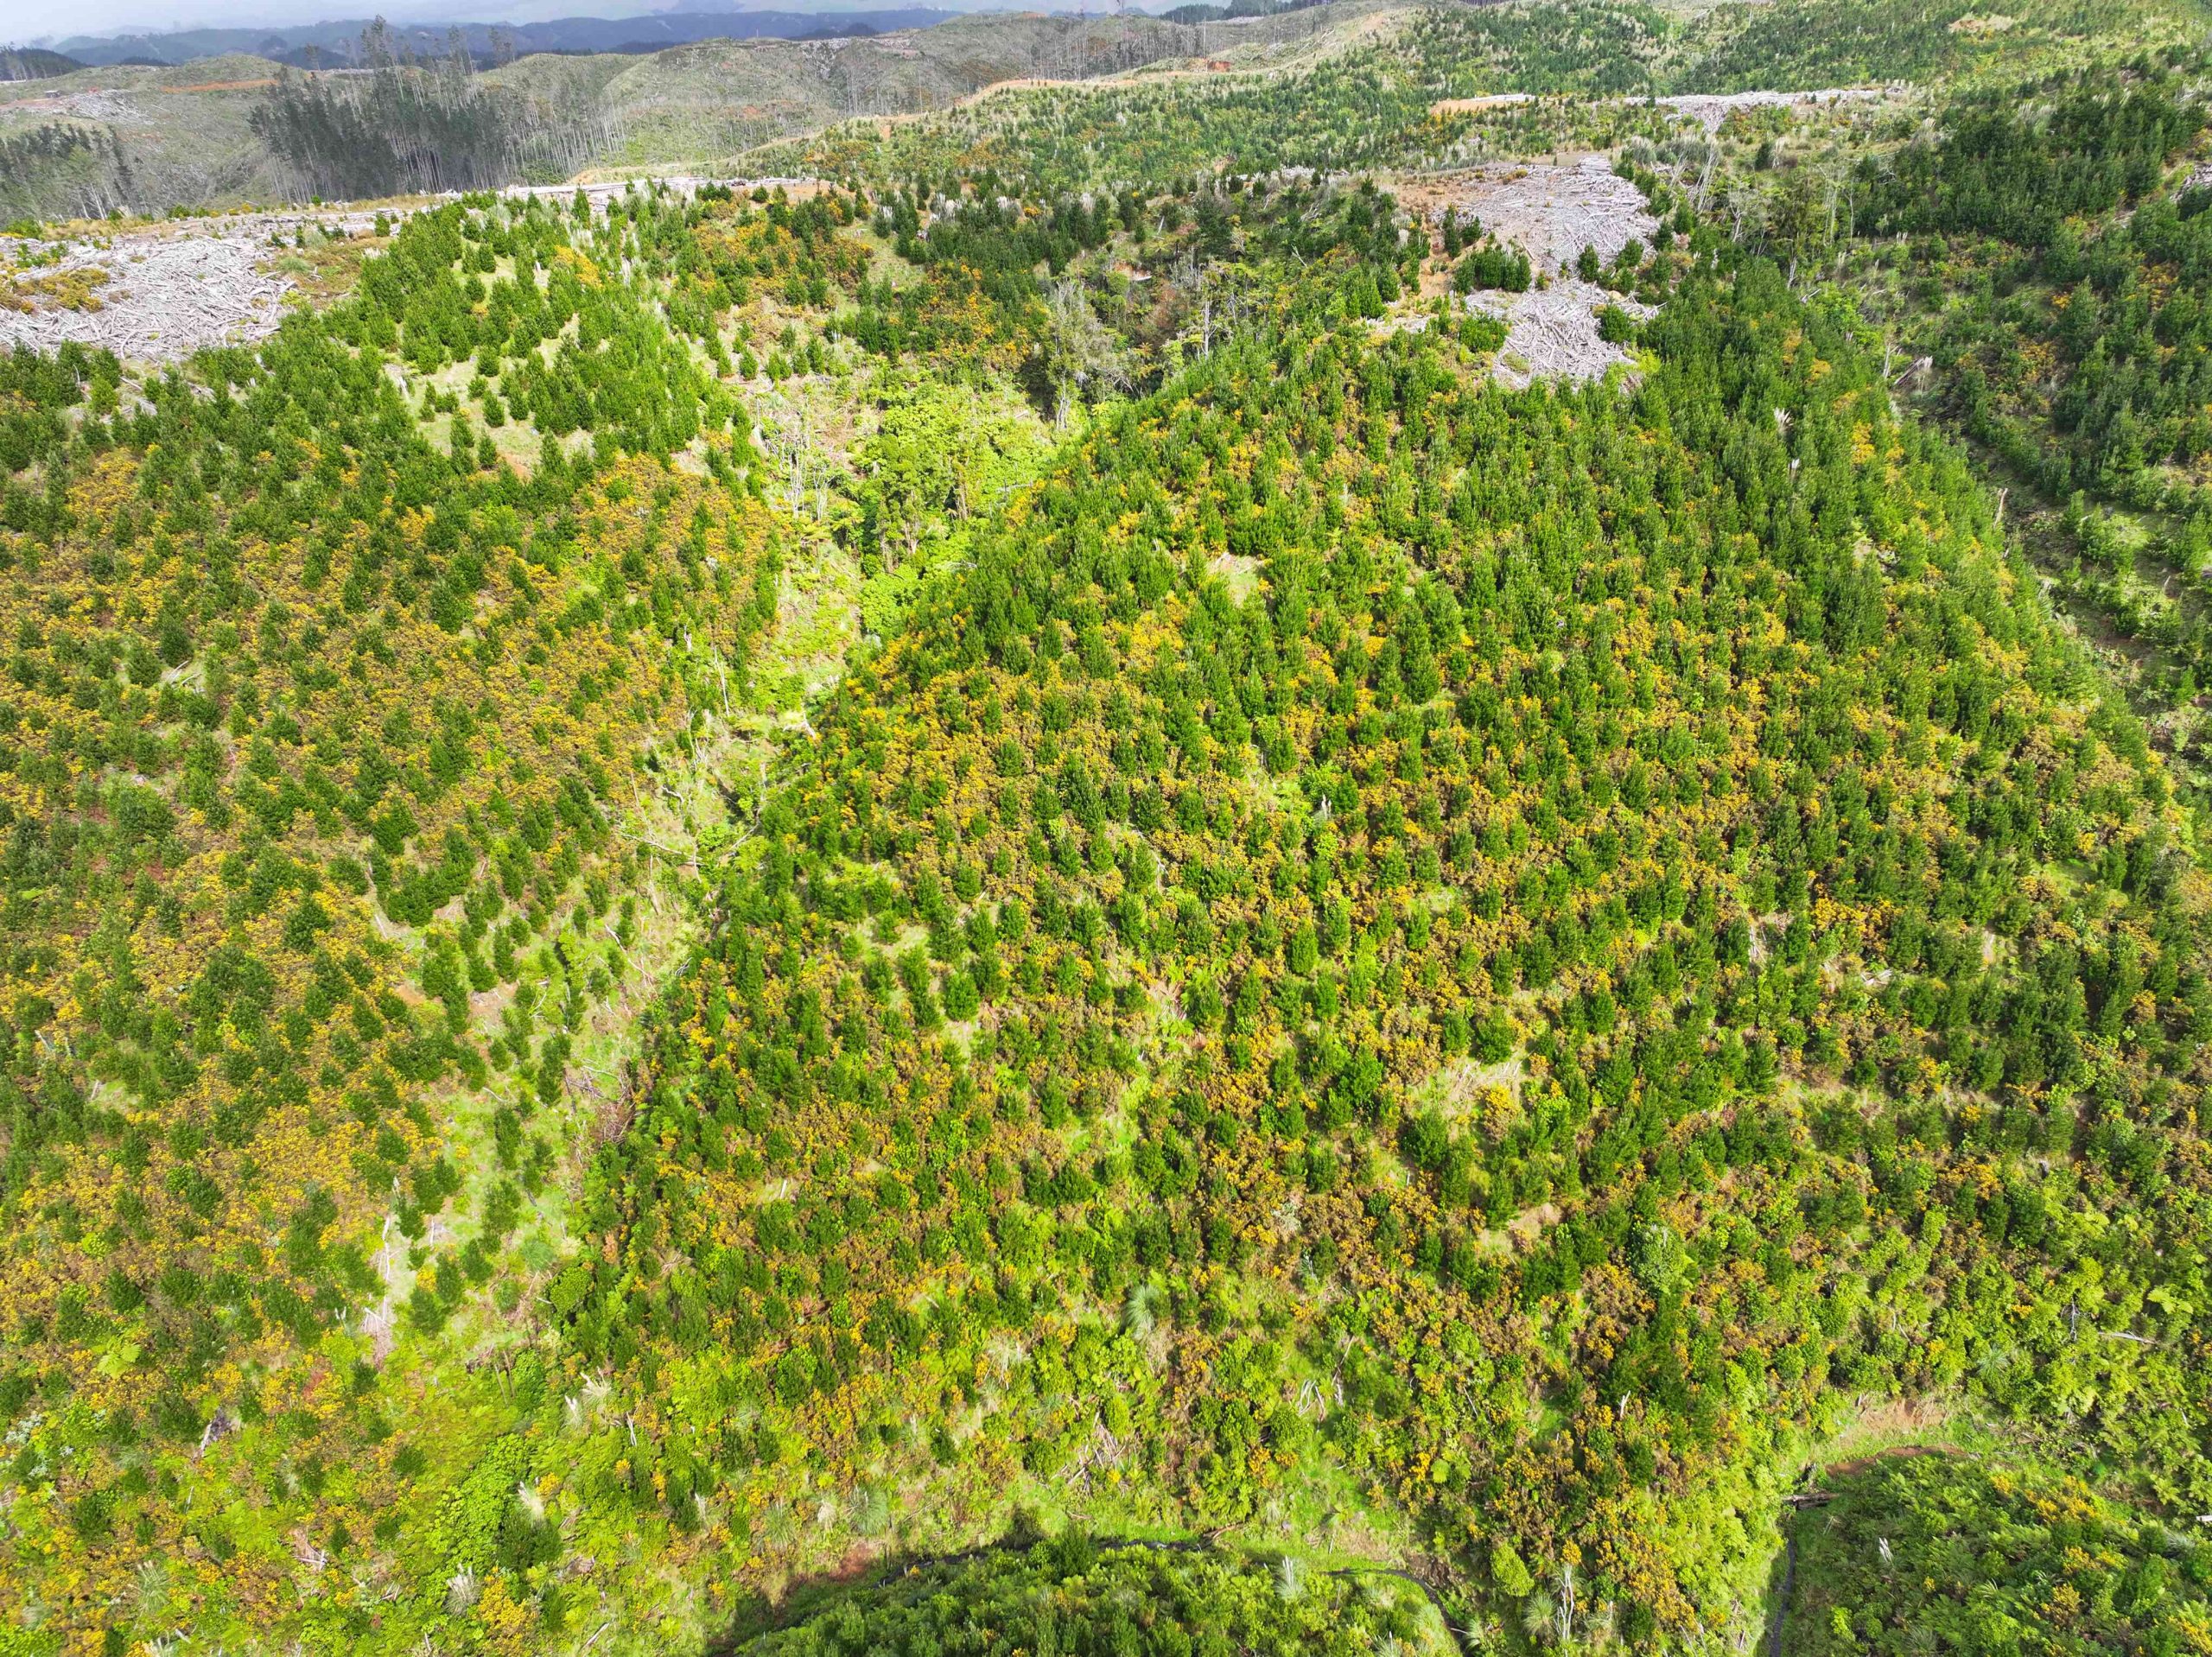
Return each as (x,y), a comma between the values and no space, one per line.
(221,132)
(138,139)
(1220,862)
(1440,975)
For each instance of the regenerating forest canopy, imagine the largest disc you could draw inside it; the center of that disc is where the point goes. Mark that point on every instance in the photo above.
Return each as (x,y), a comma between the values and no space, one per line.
(1021,897)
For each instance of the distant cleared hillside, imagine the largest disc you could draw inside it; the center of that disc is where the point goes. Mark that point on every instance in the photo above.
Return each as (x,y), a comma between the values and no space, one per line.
(221,130)
(138,138)
(721,96)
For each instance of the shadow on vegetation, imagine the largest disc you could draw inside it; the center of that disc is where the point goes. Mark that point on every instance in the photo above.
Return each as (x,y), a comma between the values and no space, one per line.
(1072,1553)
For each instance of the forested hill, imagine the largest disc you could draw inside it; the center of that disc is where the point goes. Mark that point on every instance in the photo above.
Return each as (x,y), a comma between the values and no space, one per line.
(1506,954)
(1078,897)
(30,63)
(1457,967)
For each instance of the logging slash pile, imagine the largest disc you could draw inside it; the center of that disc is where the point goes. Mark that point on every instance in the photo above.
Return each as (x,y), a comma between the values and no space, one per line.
(1552,213)
(160,292)
(165,296)
(1552,332)
(1711,109)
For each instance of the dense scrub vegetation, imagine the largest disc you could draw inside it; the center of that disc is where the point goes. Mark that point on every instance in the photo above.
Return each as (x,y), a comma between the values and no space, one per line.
(1815,43)
(1965,1555)
(1073,1596)
(1388,967)
(1164,1036)
(2051,255)
(318,735)
(2114,314)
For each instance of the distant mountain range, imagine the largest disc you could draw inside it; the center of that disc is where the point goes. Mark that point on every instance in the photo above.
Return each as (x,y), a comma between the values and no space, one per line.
(337,44)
